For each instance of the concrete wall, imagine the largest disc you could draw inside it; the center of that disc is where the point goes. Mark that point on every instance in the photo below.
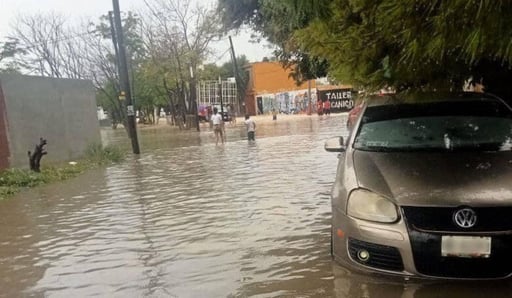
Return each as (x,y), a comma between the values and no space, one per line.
(63,111)
(4,140)
(272,77)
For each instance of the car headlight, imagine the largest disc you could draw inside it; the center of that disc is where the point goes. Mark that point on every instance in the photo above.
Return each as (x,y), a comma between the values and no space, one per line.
(367,205)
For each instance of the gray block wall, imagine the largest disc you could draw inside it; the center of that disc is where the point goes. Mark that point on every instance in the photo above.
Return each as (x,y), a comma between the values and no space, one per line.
(63,111)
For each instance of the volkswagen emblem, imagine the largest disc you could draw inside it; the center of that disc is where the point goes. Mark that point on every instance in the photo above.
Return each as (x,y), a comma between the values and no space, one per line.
(465,218)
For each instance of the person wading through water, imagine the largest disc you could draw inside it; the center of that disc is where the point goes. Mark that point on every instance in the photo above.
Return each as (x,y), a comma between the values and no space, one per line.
(217,126)
(251,128)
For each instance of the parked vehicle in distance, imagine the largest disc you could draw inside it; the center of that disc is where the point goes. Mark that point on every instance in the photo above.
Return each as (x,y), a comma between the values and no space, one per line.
(226,117)
(353,115)
(423,187)
(224,111)
(204,113)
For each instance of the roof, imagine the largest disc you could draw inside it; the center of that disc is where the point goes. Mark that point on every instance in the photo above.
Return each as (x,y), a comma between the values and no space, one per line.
(332,87)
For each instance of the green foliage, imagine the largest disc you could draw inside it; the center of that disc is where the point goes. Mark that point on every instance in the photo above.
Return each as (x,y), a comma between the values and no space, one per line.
(108,86)
(277,21)
(213,71)
(165,44)
(97,154)
(131,33)
(20,178)
(107,97)
(236,13)
(415,44)
(13,180)
(148,92)
(419,44)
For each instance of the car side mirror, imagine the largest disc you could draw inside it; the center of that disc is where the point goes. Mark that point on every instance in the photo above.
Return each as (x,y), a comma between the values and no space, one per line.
(335,145)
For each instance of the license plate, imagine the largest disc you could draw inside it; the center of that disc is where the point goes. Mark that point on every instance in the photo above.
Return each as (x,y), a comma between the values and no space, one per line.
(465,246)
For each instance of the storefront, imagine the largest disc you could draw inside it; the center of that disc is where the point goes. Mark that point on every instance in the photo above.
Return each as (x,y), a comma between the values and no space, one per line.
(341,99)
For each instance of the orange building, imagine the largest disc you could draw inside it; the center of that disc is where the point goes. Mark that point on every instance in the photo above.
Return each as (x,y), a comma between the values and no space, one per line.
(271,87)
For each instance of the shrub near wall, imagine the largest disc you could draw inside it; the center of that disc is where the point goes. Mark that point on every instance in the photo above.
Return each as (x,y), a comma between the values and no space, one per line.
(14,180)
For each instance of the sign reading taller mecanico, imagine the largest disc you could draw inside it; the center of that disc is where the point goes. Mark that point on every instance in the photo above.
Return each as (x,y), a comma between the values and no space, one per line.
(341,99)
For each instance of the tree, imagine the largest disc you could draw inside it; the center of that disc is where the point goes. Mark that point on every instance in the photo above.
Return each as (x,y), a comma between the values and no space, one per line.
(212,71)
(165,47)
(411,44)
(50,48)
(415,44)
(151,96)
(277,21)
(102,66)
(9,50)
(178,36)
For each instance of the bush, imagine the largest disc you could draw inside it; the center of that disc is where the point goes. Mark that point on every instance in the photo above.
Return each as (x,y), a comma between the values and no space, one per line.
(20,178)
(103,155)
(13,180)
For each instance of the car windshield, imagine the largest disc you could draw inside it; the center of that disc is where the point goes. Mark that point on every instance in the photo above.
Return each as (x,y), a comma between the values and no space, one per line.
(473,125)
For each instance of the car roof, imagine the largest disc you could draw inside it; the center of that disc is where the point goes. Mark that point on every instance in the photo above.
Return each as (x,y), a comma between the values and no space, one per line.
(430,97)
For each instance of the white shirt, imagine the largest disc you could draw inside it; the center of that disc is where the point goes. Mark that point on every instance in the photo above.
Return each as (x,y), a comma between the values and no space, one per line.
(217,119)
(251,125)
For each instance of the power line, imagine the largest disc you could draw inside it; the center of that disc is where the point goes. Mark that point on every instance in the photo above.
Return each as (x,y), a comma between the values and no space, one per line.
(222,55)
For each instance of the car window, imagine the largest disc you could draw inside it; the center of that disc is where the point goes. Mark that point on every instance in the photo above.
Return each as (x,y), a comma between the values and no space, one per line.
(439,126)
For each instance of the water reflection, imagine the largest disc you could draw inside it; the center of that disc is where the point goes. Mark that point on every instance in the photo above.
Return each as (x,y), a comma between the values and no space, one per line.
(189,219)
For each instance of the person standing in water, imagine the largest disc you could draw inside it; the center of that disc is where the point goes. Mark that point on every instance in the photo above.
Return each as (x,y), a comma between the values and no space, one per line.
(217,126)
(251,128)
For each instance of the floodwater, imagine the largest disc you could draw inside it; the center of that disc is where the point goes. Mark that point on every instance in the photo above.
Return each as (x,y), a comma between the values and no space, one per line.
(189,219)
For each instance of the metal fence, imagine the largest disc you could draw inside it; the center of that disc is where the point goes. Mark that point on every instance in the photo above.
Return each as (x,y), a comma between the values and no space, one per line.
(208,93)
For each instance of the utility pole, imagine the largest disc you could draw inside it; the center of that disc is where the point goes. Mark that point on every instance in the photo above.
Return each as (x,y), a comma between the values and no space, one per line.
(116,51)
(193,94)
(239,81)
(309,97)
(123,77)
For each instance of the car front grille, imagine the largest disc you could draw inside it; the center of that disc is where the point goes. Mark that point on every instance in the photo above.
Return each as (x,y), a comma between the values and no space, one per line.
(426,226)
(381,256)
(490,219)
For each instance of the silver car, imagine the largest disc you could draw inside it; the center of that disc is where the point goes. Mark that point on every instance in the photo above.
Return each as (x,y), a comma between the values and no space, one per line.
(424,187)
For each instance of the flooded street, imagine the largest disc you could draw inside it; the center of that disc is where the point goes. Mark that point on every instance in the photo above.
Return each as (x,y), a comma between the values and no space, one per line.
(189,219)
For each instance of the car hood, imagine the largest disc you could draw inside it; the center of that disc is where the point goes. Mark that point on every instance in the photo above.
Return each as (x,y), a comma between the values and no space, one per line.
(437,179)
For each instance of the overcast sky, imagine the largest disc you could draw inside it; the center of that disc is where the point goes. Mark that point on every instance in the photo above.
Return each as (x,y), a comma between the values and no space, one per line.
(92,9)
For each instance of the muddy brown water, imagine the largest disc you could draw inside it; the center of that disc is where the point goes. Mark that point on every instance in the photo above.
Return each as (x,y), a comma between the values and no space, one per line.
(189,219)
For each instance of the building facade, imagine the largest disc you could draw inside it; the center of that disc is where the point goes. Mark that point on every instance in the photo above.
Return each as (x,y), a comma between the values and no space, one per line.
(271,87)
